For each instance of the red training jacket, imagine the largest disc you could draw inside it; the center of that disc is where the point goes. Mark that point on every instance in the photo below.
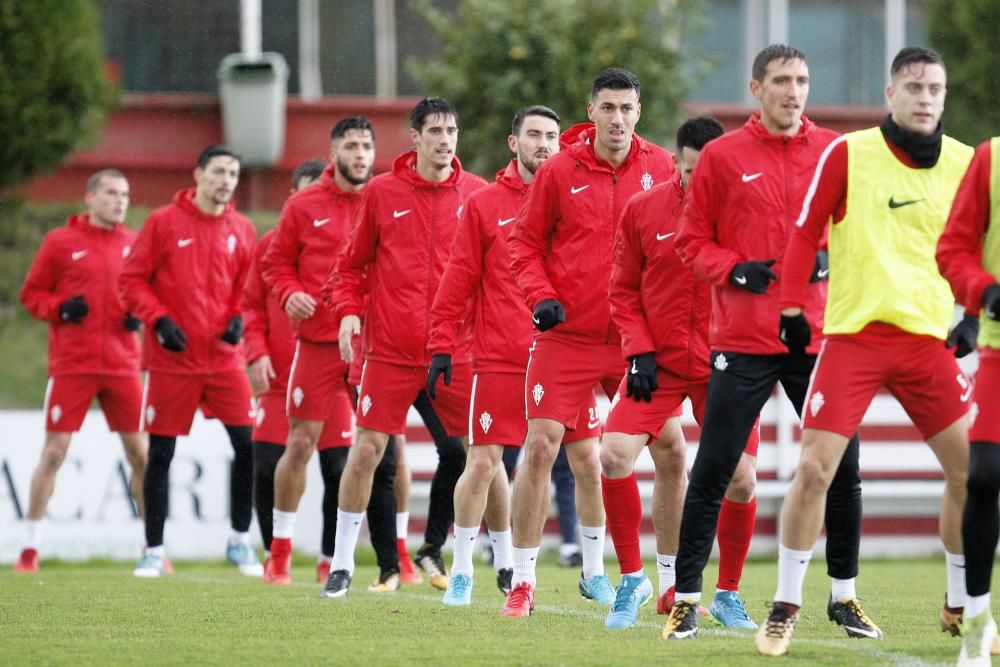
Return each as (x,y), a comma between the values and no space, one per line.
(83,259)
(268,330)
(190,266)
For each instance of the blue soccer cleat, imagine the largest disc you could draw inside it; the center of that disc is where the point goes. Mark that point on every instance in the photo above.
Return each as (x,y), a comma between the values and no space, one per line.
(633,592)
(727,608)
(459,593)
(599,589)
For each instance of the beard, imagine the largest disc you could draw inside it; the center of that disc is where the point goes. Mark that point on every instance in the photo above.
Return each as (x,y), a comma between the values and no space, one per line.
(345,171)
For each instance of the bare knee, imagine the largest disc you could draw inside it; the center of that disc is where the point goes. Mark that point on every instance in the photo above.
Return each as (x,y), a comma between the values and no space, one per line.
(584,461)
(480,466)
(301,443)
(541,447)
(367,451)
(54,451)
(136,447)
(744,482)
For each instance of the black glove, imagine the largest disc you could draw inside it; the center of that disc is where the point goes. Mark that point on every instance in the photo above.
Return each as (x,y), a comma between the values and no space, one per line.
(991,301)
(170,335)
(234,330)
(963,336)
(440,363)
(548,313)
(795,333)
(131,323)
(821,268)
(74,309)
(641,377)
(753,276)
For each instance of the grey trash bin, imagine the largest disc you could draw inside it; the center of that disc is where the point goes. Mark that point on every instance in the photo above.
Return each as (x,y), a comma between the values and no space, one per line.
(252,94)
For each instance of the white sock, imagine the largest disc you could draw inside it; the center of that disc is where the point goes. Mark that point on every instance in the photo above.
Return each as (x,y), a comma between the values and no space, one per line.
(567,549)
(842,589)
(666,570)
(237,537)
(502,557)
(637,573)
(956,579)
(284,524)
(792,568)
(690,597)
(402,525)
(592,538)
(524,565)
(976,604)
(348,527)
(33,534)
(159,551)
(465,544)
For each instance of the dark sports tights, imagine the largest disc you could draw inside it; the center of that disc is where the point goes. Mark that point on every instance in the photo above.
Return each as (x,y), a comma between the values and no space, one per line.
(451,463)
(156,486)
(265,460)
(981,518)
(241,478)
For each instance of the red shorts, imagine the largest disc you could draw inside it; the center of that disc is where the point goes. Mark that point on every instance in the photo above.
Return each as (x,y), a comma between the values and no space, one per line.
(919,371)
(169,400)
(633,417)
(316,381)
(68,397)
(271,424)
(387,391)
(985,411)
(563,374)
(497,415)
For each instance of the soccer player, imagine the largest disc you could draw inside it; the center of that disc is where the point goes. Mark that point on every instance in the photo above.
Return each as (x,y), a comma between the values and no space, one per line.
(561,258)
(662,310)
(968,255)
(184,279)
(93,347)
(398,245)
(887,190)
(738,213)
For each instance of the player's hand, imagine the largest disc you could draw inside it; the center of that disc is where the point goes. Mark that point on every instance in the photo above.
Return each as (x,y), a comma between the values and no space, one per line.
(641,377)
(821,268)
(131,323)
(963,336)
(300,306)
(74,309)
(795,332)
(440,365)
(991,301)
(234,330)
(350,326)
(261,373)
(548,313)
(170,335)
(753,276)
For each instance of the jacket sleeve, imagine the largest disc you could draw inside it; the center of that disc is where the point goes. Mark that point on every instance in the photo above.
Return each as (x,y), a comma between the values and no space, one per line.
(529,240)
(38,294)
(960,248)
(346,285)
(281,263)
(137,272)
(624,293)
(461,280)
(254,306)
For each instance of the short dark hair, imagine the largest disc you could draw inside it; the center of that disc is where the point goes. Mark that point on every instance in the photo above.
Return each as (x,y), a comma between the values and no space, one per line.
(912,55)
(533,110)
(94,181)
(696,132)
(430,106)
(768,55)
(310,169)
(615,78)
(351,123)
(217,150)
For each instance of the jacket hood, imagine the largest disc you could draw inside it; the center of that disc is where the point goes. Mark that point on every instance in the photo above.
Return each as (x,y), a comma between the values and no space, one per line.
(184,200)
(757,129)
(578,141)
(405,167)
(328,182)
(81,221)
(511,177)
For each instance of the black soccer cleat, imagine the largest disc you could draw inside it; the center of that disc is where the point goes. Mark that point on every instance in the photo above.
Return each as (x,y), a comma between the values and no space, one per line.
(504,578)
(428,558)
(848,613)
(337,584)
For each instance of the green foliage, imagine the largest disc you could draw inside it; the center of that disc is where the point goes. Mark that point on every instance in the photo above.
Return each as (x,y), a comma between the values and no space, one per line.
(496,57)
(965,35)
(53,92)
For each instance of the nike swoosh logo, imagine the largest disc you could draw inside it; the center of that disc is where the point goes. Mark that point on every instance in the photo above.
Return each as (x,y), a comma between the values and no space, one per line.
(660,237)
(588,536)
(573,191)
(593,424)
(752,177)
(78,254)
(505,222)
(742,280)
(535,320)
(862,631)
(635,371)
(899,204)
(320,223)
(183,243)
(346,434)
(823,273)
(400,214)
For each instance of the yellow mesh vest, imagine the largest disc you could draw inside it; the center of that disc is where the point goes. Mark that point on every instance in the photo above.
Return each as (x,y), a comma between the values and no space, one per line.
(882,266)
(989,330)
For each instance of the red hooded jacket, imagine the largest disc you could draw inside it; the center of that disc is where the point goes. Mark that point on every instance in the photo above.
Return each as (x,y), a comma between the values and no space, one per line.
(399,244)
(81,258)
(562,239)
(310,231)
(657,303)
(742,204)
(479,269)
(190,266)
(268,330)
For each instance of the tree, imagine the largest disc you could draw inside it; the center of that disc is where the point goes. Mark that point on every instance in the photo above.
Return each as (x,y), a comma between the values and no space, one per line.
(53,91)
(496,57)
(965,35)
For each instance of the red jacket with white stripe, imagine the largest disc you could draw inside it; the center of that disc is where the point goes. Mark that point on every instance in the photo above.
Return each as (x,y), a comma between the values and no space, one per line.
(742,204)
(310,231)
(479,270)
(268,330)
(191,266)
(399,244)
(657,303)
(81,258)
(562,239)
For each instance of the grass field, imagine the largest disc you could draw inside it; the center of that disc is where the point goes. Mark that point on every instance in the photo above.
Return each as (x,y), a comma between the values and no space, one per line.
(97,613)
